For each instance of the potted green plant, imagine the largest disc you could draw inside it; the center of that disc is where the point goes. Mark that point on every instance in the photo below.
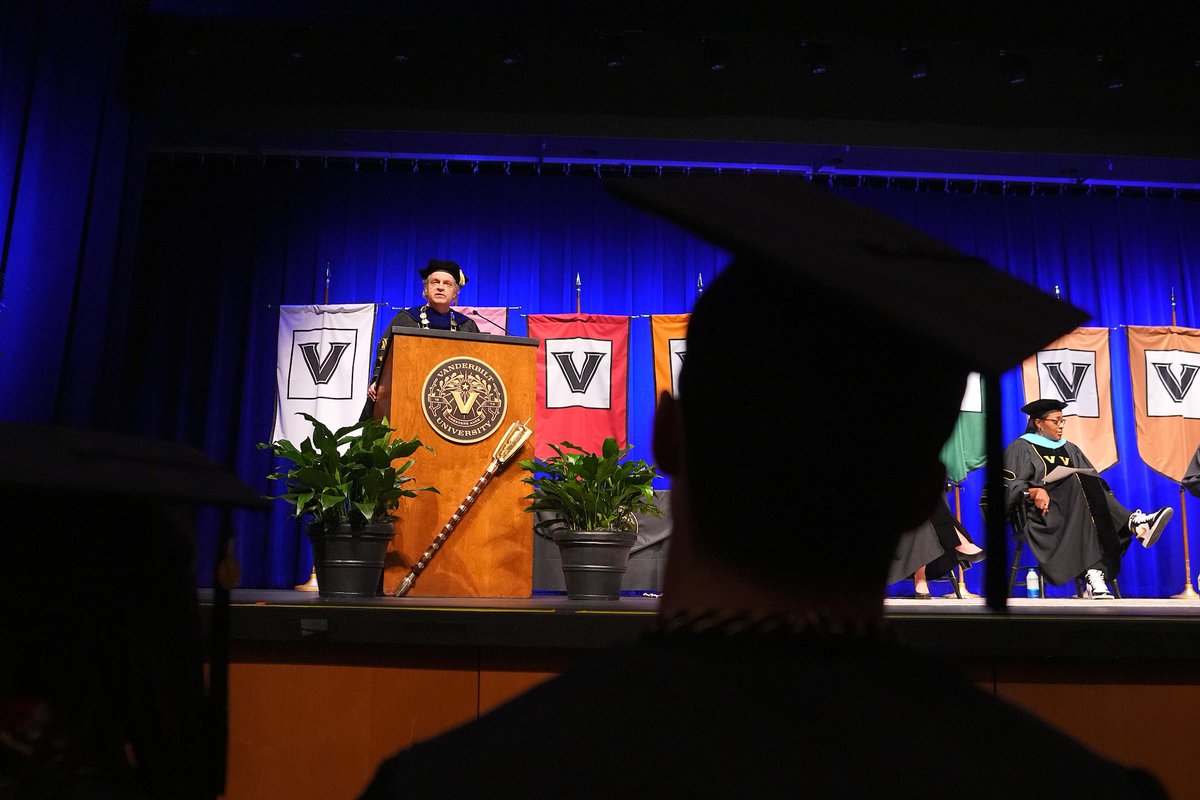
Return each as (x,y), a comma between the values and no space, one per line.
(591,502)
(349,483)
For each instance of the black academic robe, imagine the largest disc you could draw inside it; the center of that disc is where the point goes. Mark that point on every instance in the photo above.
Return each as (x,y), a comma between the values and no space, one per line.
(730,719)
(411,318)
(1191,478)
(931,545)
(1086,525)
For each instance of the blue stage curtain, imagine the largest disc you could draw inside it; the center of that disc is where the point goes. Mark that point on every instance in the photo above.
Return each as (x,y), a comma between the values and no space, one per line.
(223,244)
(67,204)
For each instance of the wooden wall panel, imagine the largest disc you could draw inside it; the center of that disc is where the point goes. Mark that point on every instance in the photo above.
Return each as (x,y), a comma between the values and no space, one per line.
(505,673)
(1143,714)
(315,721)
(319,731)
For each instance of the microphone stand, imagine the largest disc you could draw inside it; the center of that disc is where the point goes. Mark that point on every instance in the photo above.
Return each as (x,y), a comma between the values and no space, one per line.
(473,313)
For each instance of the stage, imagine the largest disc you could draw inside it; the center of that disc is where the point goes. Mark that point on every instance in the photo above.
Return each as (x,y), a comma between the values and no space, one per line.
(321,690)
(1048,628)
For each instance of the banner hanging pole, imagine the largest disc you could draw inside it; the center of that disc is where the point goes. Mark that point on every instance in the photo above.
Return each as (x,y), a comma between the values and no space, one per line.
(1189,591)
(958,573)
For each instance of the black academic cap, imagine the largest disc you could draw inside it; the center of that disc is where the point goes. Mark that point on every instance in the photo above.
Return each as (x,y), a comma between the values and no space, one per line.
(451,267)
(76,463)
(1040,408)
(988,319)
(98,579)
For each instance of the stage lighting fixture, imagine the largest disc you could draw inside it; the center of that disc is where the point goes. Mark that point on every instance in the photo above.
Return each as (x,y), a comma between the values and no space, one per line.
(612,49)
(716,53)
(198,41)
(818,57)
(402,50)
(916,62)
(1114,73)
(1016,67)
(510,51)
(300,44)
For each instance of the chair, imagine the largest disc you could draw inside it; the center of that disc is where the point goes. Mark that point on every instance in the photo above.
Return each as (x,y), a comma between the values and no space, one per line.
(1017,566)
(953,576)
(1019,538)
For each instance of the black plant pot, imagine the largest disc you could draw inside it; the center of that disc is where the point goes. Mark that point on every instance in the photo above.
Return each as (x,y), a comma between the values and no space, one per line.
(594,562)
(349,563)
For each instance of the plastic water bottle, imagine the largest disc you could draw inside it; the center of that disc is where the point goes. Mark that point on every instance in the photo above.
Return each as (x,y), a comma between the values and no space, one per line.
(1032,588)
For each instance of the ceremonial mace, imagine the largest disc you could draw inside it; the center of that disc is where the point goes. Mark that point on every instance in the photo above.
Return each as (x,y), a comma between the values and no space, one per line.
(513,439)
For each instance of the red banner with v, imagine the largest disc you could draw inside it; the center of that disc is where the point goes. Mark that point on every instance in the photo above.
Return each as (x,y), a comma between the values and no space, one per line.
(583,367)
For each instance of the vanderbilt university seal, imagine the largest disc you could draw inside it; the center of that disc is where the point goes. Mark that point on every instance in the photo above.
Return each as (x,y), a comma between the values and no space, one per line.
(464,400)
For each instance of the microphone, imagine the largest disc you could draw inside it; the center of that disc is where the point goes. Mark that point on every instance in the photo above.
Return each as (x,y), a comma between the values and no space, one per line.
(472,312)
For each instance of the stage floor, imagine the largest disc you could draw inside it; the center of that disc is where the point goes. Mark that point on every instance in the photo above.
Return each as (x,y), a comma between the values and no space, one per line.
(1051,628)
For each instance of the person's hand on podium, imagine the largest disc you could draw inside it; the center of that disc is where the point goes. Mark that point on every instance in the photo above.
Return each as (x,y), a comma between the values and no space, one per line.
(373,392)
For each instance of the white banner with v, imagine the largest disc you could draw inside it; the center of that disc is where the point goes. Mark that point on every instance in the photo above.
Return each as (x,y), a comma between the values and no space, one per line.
(323,366)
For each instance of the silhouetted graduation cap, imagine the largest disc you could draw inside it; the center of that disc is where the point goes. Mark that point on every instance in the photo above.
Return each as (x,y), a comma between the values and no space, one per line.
(449,267)
(97,574)
(76,463)
(944,307)
(902,276)
(1039,408)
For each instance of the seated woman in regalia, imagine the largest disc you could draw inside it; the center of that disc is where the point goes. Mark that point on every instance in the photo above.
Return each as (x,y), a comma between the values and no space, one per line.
(1068,515)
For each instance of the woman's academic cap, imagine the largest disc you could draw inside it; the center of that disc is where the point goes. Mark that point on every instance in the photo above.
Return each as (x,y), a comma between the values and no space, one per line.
(1040,408)
(988,319)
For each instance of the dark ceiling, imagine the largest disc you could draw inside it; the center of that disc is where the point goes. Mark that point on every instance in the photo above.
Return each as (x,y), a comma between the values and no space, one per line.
(1097,91)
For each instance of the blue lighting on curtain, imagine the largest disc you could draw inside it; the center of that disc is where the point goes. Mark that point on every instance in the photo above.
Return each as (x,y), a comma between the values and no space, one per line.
(222,246)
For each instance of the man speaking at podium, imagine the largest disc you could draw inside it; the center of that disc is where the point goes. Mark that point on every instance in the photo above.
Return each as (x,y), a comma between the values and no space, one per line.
(441,281)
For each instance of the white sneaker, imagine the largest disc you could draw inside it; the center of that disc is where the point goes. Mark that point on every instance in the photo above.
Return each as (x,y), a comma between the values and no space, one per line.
(1148,527)
(1096,588)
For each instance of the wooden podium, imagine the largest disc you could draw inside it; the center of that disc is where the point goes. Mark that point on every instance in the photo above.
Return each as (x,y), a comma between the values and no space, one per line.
(458,393)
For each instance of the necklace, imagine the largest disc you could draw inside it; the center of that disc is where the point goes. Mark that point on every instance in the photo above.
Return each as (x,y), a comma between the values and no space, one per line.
(425,318)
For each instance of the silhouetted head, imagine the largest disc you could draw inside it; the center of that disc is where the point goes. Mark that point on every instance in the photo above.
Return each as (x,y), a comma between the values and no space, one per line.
(812,424)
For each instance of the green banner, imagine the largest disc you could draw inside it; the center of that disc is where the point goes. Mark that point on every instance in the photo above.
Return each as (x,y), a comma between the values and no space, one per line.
(966,449)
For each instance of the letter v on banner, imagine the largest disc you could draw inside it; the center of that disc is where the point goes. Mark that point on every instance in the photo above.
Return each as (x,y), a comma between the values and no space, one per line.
(1164,367)
(1077,370)
(583,366)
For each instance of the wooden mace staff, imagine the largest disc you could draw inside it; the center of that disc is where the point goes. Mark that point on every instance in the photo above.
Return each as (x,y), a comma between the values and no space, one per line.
(514,438)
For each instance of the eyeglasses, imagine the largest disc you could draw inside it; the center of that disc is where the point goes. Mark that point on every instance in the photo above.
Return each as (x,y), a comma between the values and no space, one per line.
(1059,422)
